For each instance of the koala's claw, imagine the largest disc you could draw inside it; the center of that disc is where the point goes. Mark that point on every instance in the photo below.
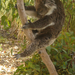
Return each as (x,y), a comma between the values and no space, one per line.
(25,26)
(29,21)
(17,56)
(15,6)
(26,23)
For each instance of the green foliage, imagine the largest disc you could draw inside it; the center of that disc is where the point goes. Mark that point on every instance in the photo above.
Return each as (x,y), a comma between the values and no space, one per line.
(70,14)
(2,39)
(33,66)
(8,12)
(60,53)
(0,47)
(5,22)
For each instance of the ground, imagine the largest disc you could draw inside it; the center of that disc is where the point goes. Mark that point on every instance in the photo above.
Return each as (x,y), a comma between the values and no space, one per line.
(8,47)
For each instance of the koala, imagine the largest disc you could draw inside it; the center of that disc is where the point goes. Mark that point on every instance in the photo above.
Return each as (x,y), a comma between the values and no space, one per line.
(40,9)
(51,16)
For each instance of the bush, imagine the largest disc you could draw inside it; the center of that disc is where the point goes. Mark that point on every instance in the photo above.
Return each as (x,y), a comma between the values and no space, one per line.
(61,53)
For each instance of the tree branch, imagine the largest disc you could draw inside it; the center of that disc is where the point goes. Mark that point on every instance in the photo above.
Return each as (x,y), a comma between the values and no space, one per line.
(23,17)
(47,61)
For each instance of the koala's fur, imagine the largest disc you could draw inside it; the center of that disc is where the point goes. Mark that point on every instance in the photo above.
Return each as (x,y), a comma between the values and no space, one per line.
(46,29)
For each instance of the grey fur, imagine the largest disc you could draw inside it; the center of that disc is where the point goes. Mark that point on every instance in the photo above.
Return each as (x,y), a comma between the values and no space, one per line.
(45,37)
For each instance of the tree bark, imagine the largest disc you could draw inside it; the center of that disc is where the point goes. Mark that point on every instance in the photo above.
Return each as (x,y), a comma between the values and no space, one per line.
(23,17)
(46,60)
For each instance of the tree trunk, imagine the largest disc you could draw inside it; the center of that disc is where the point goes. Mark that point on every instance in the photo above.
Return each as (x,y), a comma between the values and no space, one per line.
(46,60)
(23,17)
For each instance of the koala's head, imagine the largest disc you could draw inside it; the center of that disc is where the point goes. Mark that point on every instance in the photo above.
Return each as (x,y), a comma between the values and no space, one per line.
(40,7)
(43,6)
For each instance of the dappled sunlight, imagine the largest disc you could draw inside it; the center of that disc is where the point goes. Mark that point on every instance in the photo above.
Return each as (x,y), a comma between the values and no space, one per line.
(7,63)
(6,69)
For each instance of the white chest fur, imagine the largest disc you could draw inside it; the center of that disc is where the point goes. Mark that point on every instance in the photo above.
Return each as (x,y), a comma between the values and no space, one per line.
(52,8)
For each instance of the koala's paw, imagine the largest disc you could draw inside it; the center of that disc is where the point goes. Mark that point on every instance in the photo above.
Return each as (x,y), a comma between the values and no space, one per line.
(17,56)
(25,26)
